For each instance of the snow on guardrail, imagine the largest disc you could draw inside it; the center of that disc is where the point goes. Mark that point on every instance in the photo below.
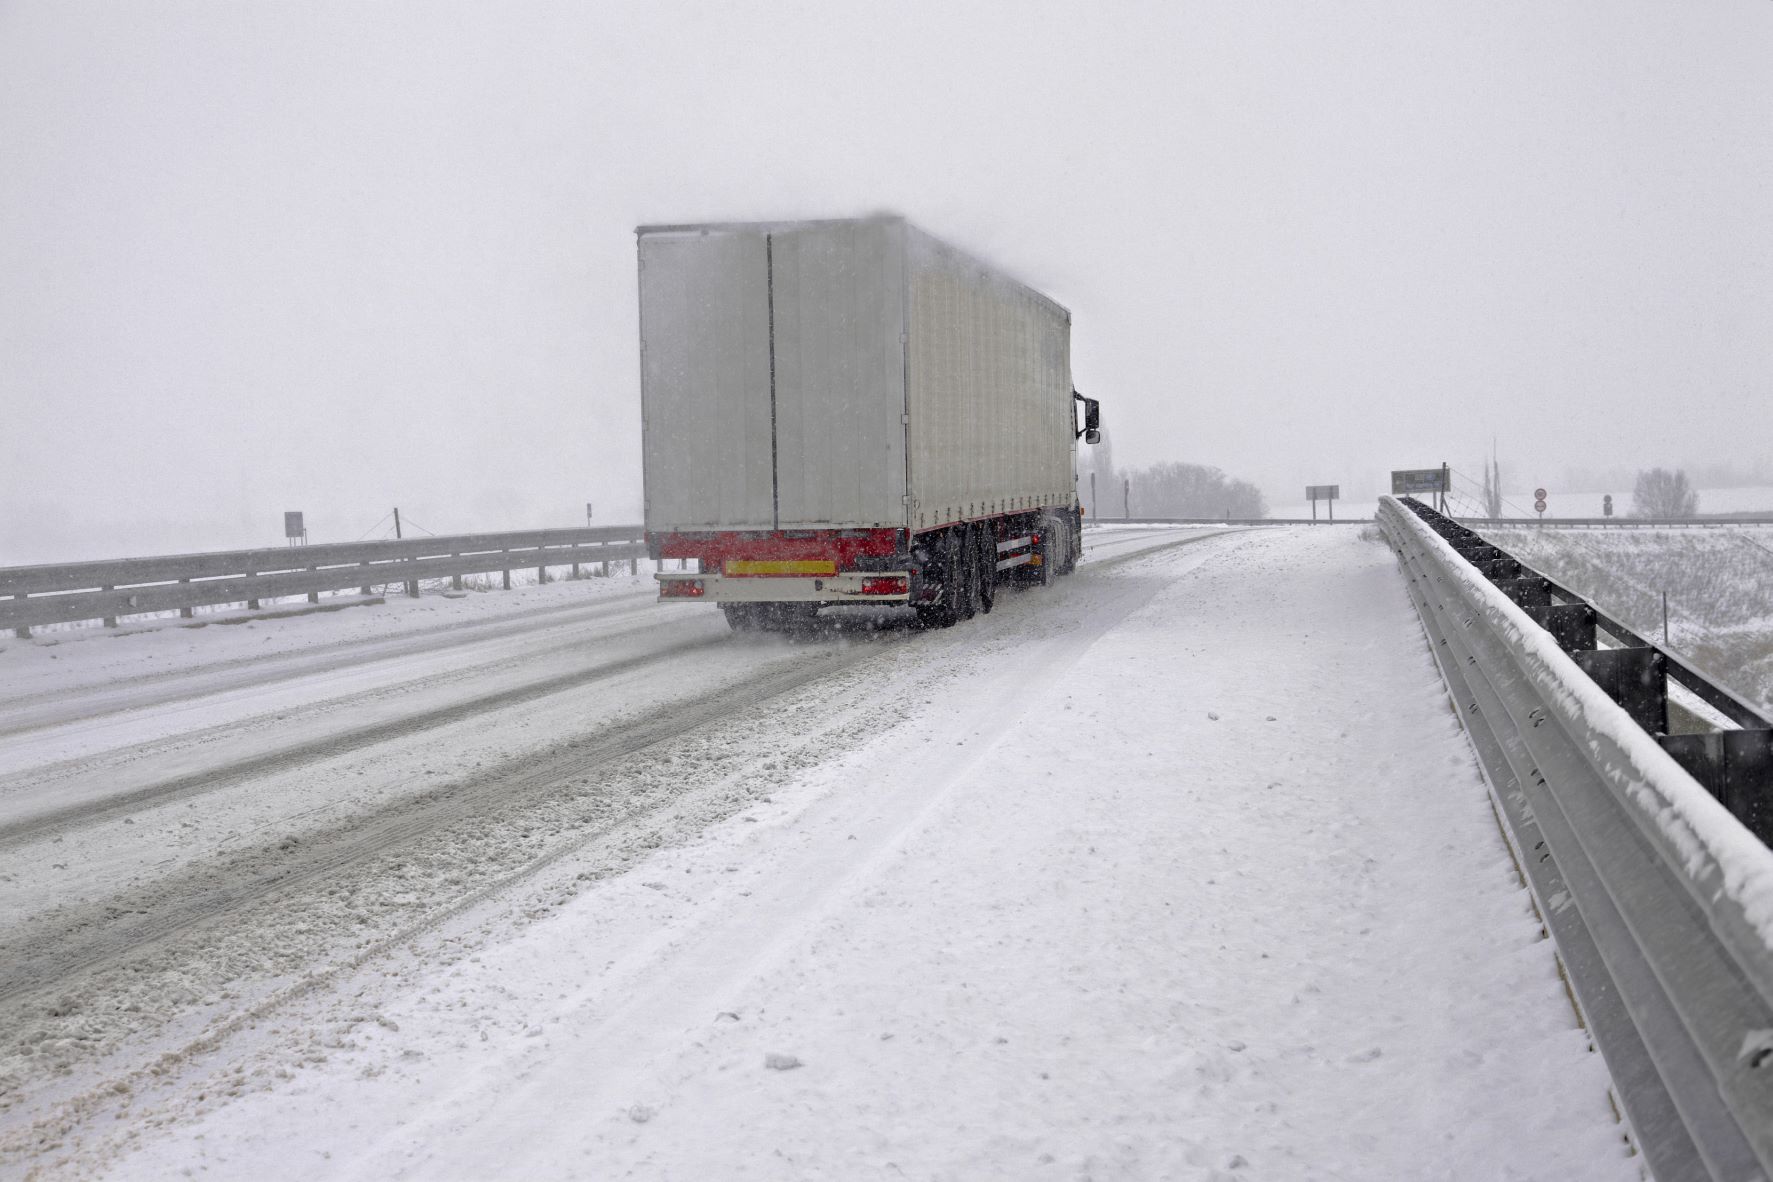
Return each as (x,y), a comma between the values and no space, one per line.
(1697,827)
(1660,900)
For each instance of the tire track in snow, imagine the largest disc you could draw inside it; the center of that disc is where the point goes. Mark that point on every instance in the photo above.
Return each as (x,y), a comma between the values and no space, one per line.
(126,971)
(28,712)
(136,959)
(45,959)
(329,746)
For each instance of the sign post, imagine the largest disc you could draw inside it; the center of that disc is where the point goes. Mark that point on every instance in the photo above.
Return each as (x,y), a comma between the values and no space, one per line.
(1323,492)
(293,530)
(1539,502)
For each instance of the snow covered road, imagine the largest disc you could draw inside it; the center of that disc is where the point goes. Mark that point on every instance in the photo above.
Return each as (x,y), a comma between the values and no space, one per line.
(1179,869)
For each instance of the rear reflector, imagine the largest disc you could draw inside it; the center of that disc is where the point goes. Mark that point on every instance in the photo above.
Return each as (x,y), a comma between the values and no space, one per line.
(681,589)
(891,585)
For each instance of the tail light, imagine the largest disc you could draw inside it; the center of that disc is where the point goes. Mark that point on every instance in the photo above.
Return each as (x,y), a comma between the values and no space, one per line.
(681,589)
(887,585)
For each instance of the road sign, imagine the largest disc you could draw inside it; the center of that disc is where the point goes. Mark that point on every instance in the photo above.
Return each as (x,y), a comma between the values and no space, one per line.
(1323,492)
(1607,505)
(1538,494)
(1539,504)
(1409,481)
(292,526)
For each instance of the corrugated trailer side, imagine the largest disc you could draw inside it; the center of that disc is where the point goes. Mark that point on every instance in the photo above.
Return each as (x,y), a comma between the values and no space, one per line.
(989,400)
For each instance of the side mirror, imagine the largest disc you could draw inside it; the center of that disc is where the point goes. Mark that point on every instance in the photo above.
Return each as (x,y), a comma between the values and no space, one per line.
(1092,423)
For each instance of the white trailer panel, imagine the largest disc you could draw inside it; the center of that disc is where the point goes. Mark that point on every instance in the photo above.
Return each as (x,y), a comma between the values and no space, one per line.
(839,315)
(705,381)
(845,374)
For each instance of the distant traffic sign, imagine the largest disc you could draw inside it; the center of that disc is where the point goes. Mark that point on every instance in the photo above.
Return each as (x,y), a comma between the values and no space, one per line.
(1409,481)
(1539,504)
(1538,494)
(1323,492)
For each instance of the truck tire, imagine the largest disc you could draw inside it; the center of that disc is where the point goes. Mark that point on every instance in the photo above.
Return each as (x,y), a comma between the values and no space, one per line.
(947,610)
(986,549)
(966,557)
(740,617)
(1073,532)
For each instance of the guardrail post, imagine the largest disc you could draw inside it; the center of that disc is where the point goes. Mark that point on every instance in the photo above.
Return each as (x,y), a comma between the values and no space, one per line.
(1736,767)
(455,580)
(541,576)
(1635,678)
(1572,625)
(185,612)
(110,621)
(1527,592)
(366,590)
(23,631)
(252,604)
(313,596)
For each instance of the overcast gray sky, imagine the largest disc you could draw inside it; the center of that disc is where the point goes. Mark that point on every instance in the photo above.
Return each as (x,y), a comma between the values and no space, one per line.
(342,256)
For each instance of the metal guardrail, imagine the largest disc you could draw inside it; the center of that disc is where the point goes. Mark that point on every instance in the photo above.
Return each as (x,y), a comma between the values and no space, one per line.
(106,590)
(1659,898)
(1088,521)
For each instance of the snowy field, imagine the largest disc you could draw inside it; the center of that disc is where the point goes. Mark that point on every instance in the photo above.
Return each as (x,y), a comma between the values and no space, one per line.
(1719,583)
(1180,869)
(1558,502)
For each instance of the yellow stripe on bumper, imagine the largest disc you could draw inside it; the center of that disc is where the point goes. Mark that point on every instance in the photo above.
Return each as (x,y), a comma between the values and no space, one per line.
(806,566)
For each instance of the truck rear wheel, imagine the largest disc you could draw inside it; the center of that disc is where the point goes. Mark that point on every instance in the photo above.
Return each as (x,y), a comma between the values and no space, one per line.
(986,551)
(966,560)
(952,605)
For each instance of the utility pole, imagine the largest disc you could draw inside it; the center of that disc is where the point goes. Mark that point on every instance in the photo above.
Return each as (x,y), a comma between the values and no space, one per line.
(1126,498)
(397,523)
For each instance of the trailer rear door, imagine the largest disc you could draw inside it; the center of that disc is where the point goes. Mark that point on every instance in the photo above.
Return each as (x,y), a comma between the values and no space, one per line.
(705,381)
(837,300)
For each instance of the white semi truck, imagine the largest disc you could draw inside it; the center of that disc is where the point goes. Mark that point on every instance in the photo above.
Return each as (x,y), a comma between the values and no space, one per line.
(851,412)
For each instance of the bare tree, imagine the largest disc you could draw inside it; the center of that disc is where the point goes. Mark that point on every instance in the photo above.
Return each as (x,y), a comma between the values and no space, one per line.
(1661,493)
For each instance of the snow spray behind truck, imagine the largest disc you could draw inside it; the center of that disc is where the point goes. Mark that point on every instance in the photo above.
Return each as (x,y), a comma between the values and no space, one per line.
(851,412)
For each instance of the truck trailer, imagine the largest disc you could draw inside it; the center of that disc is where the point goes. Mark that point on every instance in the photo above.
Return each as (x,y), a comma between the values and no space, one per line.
(851,412)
